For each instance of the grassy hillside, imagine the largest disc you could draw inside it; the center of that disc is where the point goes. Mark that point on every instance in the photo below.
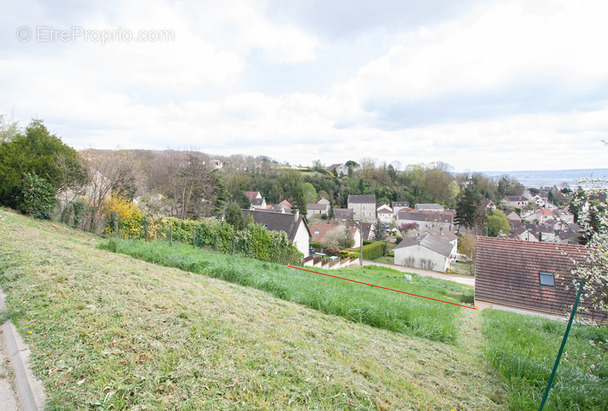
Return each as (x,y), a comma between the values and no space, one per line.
(355,302)
(110,331)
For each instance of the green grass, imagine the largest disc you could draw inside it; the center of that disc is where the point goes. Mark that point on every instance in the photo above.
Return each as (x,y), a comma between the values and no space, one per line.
(107,331)
(523,350)
(360,303)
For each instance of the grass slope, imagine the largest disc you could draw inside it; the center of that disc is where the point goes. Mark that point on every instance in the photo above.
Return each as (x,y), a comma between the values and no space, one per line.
(356,302)
(109,331)
(523,350)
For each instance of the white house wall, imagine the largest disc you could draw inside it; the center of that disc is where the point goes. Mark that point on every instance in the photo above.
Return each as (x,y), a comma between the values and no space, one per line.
(419,253)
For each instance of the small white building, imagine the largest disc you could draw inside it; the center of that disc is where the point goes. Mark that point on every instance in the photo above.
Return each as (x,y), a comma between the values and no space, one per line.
(427,251)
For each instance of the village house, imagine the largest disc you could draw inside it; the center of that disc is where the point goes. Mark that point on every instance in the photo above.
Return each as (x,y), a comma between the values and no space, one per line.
(426,220)
(316,210)
(488,204)
(319,232)
(515,201)
(284,207)
(341,169)
(427,251)
(524,277)
(293,224)
(512,215)
(384,213)
(363,206)
(398,205)
(429,207)
(344,214)
(256,200)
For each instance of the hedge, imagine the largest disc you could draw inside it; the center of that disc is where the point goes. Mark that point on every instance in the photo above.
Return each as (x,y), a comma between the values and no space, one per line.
(374,250)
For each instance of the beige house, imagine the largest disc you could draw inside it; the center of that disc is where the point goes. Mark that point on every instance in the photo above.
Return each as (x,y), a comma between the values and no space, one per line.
(364,207)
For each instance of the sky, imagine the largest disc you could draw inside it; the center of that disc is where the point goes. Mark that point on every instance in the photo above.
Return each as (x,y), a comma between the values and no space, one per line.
(481,85)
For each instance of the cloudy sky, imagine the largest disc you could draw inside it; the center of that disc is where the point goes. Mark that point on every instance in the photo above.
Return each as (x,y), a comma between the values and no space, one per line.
(481,85)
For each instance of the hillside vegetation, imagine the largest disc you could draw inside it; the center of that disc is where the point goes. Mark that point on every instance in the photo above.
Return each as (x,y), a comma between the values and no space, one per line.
(110,331)
(356,302)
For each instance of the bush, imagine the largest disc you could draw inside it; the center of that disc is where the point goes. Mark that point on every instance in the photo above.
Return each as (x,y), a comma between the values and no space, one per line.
(38,197)
(124,218)
(374,250)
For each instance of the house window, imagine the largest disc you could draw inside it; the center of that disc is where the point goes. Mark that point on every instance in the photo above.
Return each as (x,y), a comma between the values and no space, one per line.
(316,233)
(546,279)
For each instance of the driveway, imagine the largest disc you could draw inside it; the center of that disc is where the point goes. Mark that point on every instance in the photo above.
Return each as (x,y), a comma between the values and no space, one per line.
(455,278)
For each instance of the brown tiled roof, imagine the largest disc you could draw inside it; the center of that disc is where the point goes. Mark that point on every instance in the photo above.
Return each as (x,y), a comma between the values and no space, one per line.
(507,273)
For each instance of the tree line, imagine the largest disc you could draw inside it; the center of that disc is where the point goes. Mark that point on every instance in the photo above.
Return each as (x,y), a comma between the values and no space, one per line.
(44,177)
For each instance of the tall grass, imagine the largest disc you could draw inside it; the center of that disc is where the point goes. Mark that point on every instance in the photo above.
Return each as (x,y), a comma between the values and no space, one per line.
(356,302)
(523,350)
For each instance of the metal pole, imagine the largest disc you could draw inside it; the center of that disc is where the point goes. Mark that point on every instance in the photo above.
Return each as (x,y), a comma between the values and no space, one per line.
(561,349)
(360,244)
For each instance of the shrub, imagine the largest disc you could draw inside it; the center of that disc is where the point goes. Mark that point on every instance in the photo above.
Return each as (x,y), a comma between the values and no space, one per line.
(125,217)
(38,197)
(374,250)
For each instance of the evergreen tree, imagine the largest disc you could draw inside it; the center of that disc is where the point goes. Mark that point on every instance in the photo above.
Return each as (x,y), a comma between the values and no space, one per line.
(234,216)
(379,231)
(467,208)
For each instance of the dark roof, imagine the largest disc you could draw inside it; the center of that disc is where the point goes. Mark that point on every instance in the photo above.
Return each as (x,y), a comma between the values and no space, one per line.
(343,213)
(400,204)
(427,240)
(425,216)
(507,272)
(278,222)
(516,198)
(359,199)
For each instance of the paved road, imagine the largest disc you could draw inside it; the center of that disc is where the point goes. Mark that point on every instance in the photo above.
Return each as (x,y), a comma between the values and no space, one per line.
(455,278)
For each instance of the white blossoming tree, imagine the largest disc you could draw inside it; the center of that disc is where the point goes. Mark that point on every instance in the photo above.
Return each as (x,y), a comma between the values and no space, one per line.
(593,218)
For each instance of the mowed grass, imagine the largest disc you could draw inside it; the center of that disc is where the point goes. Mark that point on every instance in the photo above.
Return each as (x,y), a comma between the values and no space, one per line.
(356,302)
(523,350)
(108,331)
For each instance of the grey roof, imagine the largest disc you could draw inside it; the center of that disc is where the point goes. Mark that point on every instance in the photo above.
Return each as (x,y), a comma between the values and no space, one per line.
(425,216)
(400,204)
(427,240)
(343,213)
(278,222)
(516,198)
(447,235)
(257,201)
(429,206)
(361,199)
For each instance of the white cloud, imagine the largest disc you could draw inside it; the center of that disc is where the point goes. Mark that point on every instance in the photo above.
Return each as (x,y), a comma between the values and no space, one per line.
(500,43)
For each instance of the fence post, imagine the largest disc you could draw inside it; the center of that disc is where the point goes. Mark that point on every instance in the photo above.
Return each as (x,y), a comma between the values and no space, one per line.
(170,235)
(561,349)
(194,238)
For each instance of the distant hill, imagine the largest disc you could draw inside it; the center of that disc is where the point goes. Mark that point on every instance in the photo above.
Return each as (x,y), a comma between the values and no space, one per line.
(540,178)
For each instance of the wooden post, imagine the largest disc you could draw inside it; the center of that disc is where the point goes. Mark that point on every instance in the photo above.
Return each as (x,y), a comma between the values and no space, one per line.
(170,235)
(194,238)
